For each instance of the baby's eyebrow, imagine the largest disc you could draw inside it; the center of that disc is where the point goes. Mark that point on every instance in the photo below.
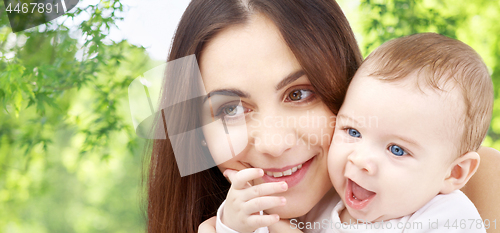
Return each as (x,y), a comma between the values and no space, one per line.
(342,115)
(408,140)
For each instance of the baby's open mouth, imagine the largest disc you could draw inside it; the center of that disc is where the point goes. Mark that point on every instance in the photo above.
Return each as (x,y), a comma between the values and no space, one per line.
(359,193)
(356,196)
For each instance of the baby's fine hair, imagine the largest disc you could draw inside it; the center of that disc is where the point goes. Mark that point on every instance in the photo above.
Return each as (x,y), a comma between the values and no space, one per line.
(437,59)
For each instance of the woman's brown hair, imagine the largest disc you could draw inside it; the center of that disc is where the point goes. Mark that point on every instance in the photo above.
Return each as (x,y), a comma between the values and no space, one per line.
(321,39)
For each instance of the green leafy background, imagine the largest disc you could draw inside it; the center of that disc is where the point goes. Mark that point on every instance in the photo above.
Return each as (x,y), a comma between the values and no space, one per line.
(69,157)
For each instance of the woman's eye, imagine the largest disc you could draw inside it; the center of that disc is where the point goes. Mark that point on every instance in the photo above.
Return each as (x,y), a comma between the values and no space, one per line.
(232,110)
(354,133)
(397,150)
(300,94)
(295,95)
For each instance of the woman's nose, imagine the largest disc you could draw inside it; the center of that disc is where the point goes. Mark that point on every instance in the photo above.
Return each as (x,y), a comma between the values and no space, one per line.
(364,159)
(272,136)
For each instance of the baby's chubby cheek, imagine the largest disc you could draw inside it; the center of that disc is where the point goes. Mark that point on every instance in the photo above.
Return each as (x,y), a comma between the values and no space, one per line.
(336,162)
(331,160)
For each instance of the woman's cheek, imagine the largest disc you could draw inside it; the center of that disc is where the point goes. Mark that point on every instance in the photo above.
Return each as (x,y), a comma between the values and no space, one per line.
(218,147)
(315,127)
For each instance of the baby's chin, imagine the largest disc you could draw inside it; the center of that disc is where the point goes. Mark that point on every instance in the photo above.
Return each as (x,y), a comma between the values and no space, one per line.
(378,217)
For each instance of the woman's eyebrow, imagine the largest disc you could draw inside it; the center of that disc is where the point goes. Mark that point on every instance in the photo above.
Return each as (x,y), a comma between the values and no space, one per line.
(289,79)
(227,92)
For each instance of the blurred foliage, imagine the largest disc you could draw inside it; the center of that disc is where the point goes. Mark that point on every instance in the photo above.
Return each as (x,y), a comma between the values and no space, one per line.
(69,158)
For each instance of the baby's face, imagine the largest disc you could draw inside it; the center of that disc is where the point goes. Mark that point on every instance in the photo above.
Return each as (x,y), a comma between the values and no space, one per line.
(392,147)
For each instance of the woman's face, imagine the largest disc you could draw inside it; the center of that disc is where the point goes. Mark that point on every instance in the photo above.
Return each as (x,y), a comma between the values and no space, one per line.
(288,129)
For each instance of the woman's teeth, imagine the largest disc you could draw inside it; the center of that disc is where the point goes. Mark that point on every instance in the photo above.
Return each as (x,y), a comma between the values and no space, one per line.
(285,173)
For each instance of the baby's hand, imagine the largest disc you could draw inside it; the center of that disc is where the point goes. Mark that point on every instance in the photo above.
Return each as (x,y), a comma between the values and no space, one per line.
(244,202)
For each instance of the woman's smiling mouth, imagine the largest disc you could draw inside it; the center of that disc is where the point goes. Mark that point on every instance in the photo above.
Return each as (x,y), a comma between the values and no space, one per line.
(292,175)
(285,173)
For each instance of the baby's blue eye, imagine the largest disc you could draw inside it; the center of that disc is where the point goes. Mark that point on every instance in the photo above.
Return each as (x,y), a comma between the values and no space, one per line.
(354,133)
(397,151)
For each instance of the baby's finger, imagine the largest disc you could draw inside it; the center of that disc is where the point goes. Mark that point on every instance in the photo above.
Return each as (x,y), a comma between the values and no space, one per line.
(262,203)
(229,173)
(264,189)
(257,221)
(239,180)
(208,226)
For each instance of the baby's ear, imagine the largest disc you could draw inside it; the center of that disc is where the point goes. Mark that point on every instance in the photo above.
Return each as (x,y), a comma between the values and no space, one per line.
(460,171)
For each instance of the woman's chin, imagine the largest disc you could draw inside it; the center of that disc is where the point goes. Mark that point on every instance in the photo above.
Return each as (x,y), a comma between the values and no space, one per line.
(290,210)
